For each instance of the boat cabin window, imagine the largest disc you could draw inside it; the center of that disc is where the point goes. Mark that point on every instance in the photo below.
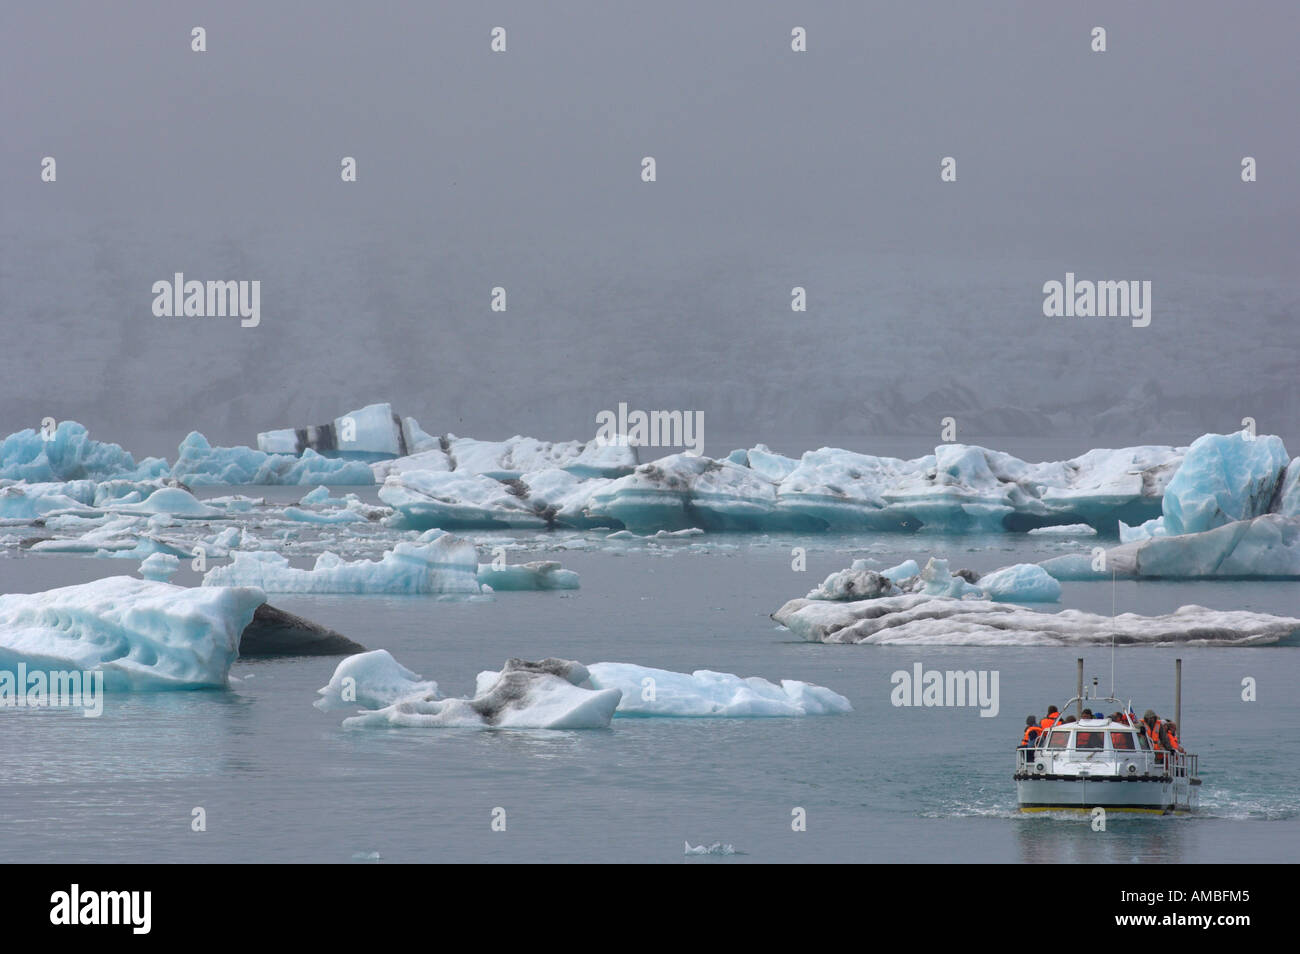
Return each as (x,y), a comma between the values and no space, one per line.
(1089,740)
(1059,740)
(1122,740)
(1143,742)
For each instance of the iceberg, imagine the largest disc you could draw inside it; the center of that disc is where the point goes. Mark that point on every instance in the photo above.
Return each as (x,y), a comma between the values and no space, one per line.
(513,458)
(30,501)
(171,500)
(1266,547)
(959,488)
(1068,530)
(371,680)
(1021,583)
(318,496)
(1223,478)
(538,575)
(437,563)
(328,517)
(560,693)
(144,635)
(921,620)
(717,848)
(199,464)
(159,566)
(374,431)
(684,491)
(70,454)
(707,694)
(858,582)
(525,695)
(450,500)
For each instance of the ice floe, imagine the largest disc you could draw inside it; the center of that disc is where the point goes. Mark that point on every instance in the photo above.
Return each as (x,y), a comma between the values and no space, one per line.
(525,695)
(1266,547)
(921,620)
(559,693)
(143,634)
(371,680)
(199,464)
(1021,583)
(537,575)
(438,563)
(708,694)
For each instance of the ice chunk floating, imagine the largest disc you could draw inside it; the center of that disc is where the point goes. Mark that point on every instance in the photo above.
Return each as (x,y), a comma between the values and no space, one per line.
(439,564)
(708,694)
(143,634)
(559,693)
(921,620)
(525,695)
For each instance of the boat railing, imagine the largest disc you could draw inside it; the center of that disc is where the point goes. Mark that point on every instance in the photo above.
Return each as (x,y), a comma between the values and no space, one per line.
(1161,762)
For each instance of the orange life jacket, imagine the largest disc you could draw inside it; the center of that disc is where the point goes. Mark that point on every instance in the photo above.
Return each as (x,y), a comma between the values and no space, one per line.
(1048,722)
(1153,733)
(1024,739)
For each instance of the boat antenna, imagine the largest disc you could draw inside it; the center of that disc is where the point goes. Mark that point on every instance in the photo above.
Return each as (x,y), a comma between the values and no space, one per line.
(1112,629)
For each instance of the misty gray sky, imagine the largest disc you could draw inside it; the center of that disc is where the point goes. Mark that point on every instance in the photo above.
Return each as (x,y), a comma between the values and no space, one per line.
(775,169)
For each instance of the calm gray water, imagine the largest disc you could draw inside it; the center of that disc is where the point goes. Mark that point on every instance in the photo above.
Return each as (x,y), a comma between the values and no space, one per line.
(282,781)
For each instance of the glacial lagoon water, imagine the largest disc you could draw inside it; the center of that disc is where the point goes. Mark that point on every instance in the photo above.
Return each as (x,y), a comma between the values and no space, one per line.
(280,781)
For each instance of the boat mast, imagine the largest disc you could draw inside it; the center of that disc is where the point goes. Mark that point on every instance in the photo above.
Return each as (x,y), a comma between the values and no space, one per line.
(1112,630)
(1078,693)
(1178,695)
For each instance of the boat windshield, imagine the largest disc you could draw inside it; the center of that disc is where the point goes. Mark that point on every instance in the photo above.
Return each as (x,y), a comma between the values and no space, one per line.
(1059,739)
(1122,740)
(1089,740)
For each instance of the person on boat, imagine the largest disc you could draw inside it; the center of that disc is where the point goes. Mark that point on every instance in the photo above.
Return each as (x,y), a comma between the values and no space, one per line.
(1155,730)
(1171,735)
(1053,716)
(1032,732)
(1087,713)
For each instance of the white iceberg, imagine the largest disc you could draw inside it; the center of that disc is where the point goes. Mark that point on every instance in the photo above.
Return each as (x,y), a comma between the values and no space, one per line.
(144,635)
(920,620)
(171,500)
(159,567)
(438,563)
(371,680)
(525,695)
(1067,530)
(707,694)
